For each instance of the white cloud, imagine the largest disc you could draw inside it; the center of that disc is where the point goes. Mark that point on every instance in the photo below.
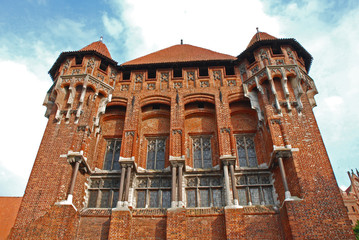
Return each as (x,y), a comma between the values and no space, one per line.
(113,26)
(22,122)
(226,27)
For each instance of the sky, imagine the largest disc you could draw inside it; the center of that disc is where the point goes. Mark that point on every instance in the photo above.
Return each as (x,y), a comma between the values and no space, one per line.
(34,32)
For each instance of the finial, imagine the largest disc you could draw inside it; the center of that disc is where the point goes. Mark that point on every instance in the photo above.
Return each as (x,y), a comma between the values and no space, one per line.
(257,35)
(357,172)
(101,38)
(181,41)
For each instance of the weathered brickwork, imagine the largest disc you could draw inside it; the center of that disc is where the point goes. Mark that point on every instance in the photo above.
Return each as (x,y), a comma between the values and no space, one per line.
(184,143)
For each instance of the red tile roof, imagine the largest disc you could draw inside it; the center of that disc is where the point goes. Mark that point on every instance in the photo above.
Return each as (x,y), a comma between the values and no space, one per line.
(99,47)
(260,36)
(180,53)
(9,206)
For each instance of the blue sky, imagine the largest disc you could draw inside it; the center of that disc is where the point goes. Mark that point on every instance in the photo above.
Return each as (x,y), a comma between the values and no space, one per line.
(34,32)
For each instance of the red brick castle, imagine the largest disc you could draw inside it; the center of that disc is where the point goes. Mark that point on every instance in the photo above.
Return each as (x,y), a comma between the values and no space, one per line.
(183,143)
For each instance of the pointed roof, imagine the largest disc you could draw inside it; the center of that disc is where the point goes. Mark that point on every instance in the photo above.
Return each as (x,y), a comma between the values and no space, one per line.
(259,36)
(99,47)
(179,53)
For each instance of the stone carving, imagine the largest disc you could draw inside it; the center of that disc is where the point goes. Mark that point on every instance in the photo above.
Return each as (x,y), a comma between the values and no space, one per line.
(225,130)
(130,133)
(75,71)
(100,76)
(151,86)
(242,69)
(113,74)
(139,78)
(91,63)
(125,87)
(263,54)
(232,83)
(255,69)
(290,53)
(279,62)
(174,131)
(177,85)
(66,65)
(164,77)
(204,84)
(190,76)
(217,75)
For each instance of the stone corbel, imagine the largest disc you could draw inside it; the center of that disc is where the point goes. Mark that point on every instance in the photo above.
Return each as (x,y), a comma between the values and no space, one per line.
(277,105)
(298,91)
(254,102)
(73,157)
(260,89)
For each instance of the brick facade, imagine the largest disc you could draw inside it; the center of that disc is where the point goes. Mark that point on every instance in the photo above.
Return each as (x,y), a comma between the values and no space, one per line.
(209,146)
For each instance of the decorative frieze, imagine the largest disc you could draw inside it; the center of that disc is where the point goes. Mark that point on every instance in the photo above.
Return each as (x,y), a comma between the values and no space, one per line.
(191,76)
(204,84)
(232,83)
(151,86)
(165,77)
(217,75)
(177,85)
(125,87)
(139,78)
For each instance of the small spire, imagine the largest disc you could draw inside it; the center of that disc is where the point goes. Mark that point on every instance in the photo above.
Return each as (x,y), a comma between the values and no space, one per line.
(181,41)
(101,38)
(357,172)
(257,34)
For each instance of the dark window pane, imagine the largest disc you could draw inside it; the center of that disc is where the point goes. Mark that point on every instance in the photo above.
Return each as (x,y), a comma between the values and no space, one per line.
(197,163)
(155,182)
(115,183)
(151,160)
(141,199)
(268,195)
(160,164)
(204,181)
(114,199)
(253,179)
(107,183)
(204,197)
(105,199)
(264,179)
(109,155)
(191,198)
(116,164)
(166,182)
(217,197)
(153,199)
(242,196)
(92,199)
(166,199)
(255,196)
(216,181)
(95,183)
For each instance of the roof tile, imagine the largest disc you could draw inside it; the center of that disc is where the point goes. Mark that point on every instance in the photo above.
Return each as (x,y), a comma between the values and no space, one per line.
(180,53)
(260,36)
(99,47)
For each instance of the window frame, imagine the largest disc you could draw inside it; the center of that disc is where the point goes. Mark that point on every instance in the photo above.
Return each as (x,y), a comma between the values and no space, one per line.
(148,189)
(113,191)
(245,136)
(198,187)
(259,185)
(201,137)
(108,142)
(156,138)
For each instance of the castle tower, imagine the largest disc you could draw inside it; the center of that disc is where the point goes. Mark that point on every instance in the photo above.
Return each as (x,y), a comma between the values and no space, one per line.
(183,143)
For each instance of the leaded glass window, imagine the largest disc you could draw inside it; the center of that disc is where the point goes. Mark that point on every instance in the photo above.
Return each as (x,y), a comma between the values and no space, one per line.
(246,151)
(255,189)
(153,192)
(204,191)
(202,152)
(103,192)
(156,149)
(112,156)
